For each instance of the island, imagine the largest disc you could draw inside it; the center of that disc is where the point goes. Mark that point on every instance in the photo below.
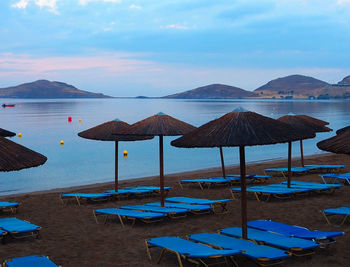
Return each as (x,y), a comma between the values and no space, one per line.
(47,89)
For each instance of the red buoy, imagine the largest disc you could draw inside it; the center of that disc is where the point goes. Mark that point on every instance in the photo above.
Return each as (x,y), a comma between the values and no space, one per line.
(69,119)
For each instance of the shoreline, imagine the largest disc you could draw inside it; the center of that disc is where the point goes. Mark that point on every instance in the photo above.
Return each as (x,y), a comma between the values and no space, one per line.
(216,171)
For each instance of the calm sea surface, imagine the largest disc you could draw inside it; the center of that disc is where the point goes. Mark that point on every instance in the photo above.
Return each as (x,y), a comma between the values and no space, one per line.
(43,123)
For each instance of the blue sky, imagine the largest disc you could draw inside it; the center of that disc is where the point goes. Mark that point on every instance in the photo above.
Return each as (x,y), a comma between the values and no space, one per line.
(155,48)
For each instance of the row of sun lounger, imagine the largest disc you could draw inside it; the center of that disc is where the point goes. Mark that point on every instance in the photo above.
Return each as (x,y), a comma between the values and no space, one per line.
(304,170)
(230,179)
(174,207)
(282,191)
(268,243)
(137,191)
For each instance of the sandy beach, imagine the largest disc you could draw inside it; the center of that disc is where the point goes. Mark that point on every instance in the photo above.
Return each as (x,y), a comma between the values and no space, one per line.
(71,237)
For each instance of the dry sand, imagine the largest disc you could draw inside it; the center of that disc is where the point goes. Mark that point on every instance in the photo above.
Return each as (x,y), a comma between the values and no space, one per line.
(70,236)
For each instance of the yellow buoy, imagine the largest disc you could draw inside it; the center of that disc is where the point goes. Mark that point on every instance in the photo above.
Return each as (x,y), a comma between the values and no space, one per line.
(62,142)
(125,154)
(19,135)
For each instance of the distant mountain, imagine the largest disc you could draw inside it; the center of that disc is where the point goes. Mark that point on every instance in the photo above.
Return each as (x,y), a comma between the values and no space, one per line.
(345,81)
(293,84)
(214,91)
(46,89)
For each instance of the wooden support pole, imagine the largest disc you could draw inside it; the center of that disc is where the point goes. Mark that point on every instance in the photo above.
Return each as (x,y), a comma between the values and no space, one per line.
(161,170)
(222,162)
(243,192)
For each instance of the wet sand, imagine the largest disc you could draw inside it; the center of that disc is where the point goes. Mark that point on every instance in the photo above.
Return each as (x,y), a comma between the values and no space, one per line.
(71,237)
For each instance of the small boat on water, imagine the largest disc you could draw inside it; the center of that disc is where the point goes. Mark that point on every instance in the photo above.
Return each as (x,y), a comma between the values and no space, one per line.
(7,105)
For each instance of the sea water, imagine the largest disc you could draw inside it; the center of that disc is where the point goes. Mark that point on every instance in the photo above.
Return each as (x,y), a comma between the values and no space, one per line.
(44,123)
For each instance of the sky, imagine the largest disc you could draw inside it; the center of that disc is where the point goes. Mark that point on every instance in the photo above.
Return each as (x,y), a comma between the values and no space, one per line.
(156,48)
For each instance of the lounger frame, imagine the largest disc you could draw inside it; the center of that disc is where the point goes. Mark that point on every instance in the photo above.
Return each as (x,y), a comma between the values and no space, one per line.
(179,256)
(121,218)
(327,215)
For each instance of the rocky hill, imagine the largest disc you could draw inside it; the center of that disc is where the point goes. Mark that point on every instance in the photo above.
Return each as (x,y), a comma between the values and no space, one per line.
(46,89)
(214,91)
(299,86)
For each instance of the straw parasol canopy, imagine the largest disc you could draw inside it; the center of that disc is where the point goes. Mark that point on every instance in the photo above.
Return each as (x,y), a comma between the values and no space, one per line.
(339,144)
(6,133)
(14,157)
(347,128)
(160,125)
(305,123)
(108,132)
(240,128)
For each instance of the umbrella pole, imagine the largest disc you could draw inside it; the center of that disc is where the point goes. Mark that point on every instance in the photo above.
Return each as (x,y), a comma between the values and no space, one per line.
(222,162)
(243,192)
(289,162)
(116,168)
(161,170)
(301,153)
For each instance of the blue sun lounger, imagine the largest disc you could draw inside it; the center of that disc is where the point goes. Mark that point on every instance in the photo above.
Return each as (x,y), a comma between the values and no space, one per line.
(209,181)
(133,215)
(188,250)
(335,186)
(130,192)
(261,254)
(152,188)
(317,188)
(85,196)
(199,201)
(342,211)
(30,261)
(170,212)
(343,178)
(297,246)
(324,167)
(9,206)
(266,192)
(284,171)
(321,237)
(251,178)
(196,209)
(17,228)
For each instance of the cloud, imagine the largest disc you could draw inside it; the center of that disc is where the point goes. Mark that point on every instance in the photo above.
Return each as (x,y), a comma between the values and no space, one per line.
(22,4)
(85,2)
(134,7)
(51,5)
(110,62)
(175,26)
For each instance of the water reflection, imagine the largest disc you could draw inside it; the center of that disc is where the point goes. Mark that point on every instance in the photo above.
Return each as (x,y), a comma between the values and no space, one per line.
(44,123)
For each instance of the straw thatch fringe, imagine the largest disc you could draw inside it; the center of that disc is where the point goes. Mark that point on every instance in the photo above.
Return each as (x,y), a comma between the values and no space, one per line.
(304,122)
(339,144)
(6,133)
(109,131)
(15,157)
(160,125)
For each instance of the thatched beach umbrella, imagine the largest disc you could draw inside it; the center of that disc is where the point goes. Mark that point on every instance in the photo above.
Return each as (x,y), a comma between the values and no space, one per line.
(108,132)
(14,157)
(347,128)
(339,144)
(6,133)
(239,128)
(160,125)
(305,123)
